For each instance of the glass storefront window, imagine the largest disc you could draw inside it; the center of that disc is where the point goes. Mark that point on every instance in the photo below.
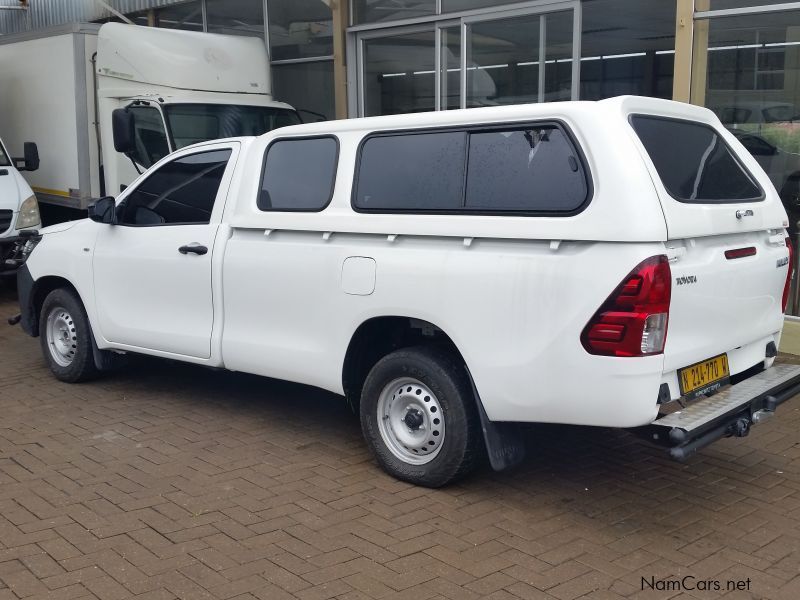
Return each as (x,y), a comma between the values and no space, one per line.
(236,17)
(308,87)
(373,11)
(459,5)
(627,47)
(747,70)
(300,28)
(399,74)
(503,62)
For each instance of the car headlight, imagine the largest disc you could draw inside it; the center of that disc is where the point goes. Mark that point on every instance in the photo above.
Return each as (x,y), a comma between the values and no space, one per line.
(29,214)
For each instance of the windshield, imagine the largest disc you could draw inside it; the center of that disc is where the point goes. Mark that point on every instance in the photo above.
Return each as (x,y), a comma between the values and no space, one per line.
(4,162)
(193,123)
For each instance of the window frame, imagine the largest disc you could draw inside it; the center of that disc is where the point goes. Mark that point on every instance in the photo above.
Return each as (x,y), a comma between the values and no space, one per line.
(139,104)
(300,138)
(467,130)
(735,155)
(170,158)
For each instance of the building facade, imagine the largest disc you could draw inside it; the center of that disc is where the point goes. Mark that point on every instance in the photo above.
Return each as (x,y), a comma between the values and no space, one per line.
(368,57)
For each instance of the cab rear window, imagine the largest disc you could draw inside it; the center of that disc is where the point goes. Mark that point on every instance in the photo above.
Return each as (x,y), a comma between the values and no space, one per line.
(694,163)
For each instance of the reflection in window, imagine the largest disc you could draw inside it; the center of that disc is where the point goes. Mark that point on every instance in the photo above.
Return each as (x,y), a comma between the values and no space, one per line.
(399,74)
(236,17)
(291,83)
(181,16)
(627,47)
(372,11)
(300,28)
(752,66)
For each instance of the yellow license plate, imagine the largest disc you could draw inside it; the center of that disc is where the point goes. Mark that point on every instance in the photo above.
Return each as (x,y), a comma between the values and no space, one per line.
(704,376)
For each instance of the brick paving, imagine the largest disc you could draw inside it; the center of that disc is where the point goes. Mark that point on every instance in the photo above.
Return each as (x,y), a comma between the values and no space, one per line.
(171,481)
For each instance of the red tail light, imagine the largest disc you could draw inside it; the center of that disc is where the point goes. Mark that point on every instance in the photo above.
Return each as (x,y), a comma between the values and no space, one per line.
(633,321)
(789,274)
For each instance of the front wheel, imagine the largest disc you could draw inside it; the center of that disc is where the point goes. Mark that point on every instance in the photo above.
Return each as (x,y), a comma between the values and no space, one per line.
(419,417)
(65,336)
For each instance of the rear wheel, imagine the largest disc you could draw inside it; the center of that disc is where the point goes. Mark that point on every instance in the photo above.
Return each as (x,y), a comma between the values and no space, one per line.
(419,417)
(65,337)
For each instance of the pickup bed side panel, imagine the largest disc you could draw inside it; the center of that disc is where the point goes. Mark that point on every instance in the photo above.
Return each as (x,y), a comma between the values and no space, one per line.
(515,309)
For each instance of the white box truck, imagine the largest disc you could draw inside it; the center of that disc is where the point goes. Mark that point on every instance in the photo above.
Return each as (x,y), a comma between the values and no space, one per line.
(60,88)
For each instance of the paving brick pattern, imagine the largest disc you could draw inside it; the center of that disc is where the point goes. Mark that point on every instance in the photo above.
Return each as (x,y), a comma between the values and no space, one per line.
(171,481)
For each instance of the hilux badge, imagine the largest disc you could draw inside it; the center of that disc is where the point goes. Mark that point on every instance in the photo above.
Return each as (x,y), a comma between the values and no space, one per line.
(782,262)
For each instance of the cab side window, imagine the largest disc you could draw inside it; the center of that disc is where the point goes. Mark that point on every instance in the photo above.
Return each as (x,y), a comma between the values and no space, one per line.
(180,192)
(150,136)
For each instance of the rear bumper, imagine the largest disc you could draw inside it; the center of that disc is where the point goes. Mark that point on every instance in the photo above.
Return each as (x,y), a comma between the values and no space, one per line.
(731,412)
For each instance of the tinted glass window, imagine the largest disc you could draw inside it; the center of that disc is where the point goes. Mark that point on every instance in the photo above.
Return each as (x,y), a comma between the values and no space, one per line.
(4,161)
(694,162)
(193,123)
(415,172)
(182,191)
(149,135)
(532,169)
(299,174)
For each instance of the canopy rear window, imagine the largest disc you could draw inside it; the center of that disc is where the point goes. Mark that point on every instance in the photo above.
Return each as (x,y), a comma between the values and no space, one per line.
(694,162)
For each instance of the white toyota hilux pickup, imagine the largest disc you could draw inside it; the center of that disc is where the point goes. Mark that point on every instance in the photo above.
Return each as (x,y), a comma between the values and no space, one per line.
(621,263)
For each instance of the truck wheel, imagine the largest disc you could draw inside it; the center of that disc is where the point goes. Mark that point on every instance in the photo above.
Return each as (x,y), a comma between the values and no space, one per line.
(65,336)
(419,417)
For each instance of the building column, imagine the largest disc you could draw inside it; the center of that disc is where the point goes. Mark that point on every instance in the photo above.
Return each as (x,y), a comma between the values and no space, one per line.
(684,34)
(341,20)
(700,56)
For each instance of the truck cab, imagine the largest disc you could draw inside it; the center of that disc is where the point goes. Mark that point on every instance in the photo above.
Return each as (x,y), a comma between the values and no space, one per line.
(19,209)
(162,90)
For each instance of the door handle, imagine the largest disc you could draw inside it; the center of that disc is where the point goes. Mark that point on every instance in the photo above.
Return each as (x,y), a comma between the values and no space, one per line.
(193,248)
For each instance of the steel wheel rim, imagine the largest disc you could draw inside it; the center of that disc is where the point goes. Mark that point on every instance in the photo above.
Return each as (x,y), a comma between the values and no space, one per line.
(411,421)
(62,339)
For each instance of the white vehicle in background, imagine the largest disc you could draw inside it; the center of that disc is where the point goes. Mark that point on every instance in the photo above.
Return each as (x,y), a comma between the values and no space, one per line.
(619,264)
(19,210)
(62,87)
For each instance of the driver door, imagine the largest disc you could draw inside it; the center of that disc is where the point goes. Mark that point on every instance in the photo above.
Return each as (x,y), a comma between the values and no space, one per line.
(152,271)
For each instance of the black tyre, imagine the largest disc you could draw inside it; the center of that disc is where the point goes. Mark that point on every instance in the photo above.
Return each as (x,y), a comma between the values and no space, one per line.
(419,417)
(65,336)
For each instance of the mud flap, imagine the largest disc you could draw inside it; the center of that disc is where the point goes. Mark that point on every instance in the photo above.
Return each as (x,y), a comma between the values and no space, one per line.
(504,444)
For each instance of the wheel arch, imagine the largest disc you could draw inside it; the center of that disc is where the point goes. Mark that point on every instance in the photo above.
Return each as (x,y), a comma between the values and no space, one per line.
(39,291)
(380,335)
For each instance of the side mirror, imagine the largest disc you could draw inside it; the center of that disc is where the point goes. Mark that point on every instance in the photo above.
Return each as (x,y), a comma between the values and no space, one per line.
(31,152)
(104,211)
(30,162)
(122,125)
